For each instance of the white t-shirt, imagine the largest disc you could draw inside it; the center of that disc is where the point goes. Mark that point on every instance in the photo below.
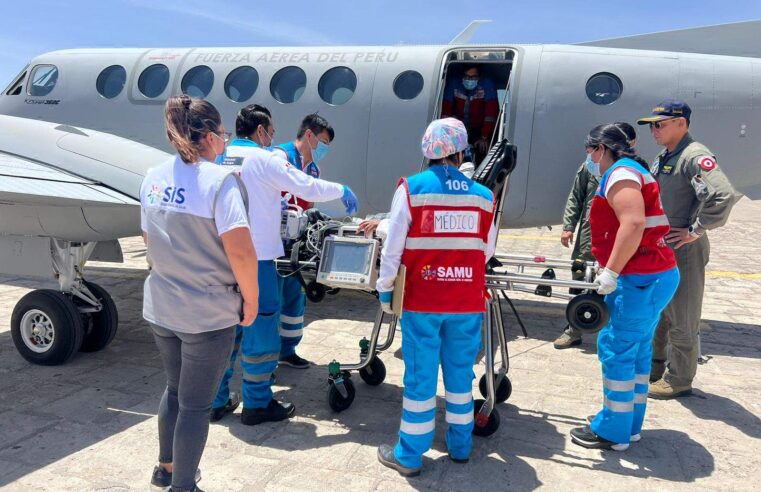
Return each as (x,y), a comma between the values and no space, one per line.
(190,184)
(621,174)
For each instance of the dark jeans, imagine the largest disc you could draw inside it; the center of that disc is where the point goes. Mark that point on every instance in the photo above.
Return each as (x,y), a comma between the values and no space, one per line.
(194,364)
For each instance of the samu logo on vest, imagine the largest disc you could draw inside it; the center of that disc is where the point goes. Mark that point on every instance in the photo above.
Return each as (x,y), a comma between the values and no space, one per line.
(447,274)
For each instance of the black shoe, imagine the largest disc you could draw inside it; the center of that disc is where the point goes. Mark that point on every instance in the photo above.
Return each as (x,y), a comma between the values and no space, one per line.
(584,437)
(387,458)
(194,489)
(294,361)
(216,414)
(462,461)
(161,480)
(274,412)
(632,438)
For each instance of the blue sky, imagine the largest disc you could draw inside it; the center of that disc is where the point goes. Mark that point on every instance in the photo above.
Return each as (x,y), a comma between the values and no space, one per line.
(28,29)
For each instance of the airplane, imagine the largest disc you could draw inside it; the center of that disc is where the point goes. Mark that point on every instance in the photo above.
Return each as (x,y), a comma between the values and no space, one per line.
(81,127)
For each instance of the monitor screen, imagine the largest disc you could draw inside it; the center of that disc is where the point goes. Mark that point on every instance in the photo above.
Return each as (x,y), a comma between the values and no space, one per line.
(349,257)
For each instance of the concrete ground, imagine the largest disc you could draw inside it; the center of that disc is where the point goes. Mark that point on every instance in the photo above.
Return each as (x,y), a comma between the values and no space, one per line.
(91,424)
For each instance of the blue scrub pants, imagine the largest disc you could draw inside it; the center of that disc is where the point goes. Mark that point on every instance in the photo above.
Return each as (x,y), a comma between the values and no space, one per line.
(292,306)
(625,348)
(429,339)
(259,347)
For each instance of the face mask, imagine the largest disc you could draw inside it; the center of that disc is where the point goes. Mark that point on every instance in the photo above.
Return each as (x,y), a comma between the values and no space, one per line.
(470,84)
(319,152)
(220,157)
(592,166)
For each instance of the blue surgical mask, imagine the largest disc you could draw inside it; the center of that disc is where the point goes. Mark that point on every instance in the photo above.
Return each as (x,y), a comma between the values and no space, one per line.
(220,157)
(592,166)
(470,84)
(320,152)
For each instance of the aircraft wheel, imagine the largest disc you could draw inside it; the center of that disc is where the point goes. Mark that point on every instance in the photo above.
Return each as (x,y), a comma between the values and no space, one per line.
(336,400)
(375,372)
(46,327)
(103,324)
(587,312)
(502,392)
(484,426)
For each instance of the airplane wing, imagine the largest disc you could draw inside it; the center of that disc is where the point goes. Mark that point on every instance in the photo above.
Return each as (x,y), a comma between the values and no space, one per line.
(26,182)
(735,39)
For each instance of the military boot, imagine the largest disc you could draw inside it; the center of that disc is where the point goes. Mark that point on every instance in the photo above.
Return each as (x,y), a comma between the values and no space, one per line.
(657,369)
(663,390)
(569,338)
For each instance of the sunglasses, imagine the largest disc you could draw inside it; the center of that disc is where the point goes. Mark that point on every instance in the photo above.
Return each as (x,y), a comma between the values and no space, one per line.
(226,136)
(660,124)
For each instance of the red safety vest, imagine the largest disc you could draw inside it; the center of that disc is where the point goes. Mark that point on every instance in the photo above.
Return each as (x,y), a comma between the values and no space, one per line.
(653,254)
(446,244)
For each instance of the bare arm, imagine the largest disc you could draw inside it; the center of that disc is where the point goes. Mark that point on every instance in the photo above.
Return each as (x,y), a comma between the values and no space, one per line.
(242,257)
(625,197)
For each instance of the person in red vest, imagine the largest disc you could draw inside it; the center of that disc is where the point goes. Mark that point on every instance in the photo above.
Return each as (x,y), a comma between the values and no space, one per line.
(472,99)
(638,280)
(441,227)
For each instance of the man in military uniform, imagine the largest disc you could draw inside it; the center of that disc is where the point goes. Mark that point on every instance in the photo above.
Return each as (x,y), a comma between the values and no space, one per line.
(697,197)
(577,213)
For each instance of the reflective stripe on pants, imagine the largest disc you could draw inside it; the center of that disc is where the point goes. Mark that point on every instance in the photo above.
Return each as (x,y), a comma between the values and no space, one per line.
(625,347)
(292,306)
(260,345)
(427,340)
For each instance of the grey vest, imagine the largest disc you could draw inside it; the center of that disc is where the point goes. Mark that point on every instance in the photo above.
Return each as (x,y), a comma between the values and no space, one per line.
(191,287)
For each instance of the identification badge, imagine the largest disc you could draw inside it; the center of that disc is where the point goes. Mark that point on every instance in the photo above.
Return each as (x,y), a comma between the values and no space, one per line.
(667,169)
(449,221)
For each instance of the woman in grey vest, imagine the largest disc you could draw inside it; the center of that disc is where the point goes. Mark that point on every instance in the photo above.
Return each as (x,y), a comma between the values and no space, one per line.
(202,281)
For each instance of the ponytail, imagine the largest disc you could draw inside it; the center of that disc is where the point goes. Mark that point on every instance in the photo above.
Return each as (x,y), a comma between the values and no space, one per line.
(188,120)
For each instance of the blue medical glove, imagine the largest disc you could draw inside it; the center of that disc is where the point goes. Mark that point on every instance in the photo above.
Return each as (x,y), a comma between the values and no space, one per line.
(385,300)
(350,201)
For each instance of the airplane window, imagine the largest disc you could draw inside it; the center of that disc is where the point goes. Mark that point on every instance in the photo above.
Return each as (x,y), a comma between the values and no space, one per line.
(288,84)
(153,80)
(241,83)
(604,88)
(111,81)
(408,84)
(337,85)
(198,81)
(43,80)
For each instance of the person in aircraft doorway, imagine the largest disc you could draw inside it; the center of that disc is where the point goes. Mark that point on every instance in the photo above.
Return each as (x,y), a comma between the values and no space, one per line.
(265,175)
(472,99)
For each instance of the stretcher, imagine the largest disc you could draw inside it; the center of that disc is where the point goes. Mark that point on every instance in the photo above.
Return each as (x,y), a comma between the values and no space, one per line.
(310,258)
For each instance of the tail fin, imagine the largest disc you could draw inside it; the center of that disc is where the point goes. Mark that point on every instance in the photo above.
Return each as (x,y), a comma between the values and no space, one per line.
(735,39)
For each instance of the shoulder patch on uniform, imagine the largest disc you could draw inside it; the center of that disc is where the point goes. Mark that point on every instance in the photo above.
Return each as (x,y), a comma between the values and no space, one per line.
(707,163)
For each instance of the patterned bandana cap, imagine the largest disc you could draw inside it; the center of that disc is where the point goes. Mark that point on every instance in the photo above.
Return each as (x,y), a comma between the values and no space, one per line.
(444,137)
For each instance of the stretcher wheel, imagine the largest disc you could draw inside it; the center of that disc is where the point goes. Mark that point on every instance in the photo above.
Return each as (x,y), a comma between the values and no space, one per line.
(375,372)
(336,400)
(315,292)
(483,426)
(587,312)
(502,392)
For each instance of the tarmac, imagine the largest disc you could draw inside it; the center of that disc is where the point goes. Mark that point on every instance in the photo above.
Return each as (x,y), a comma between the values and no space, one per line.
(91,424)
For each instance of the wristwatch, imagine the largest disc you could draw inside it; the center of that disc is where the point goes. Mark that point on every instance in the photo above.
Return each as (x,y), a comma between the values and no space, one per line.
(694,231)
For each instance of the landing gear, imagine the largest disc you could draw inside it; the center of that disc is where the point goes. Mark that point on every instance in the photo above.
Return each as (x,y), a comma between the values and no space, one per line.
(46,327)
(49,326)
(100,326)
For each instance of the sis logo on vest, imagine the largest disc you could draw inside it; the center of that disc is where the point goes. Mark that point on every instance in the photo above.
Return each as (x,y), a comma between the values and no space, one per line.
(447,274)
(170,195)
